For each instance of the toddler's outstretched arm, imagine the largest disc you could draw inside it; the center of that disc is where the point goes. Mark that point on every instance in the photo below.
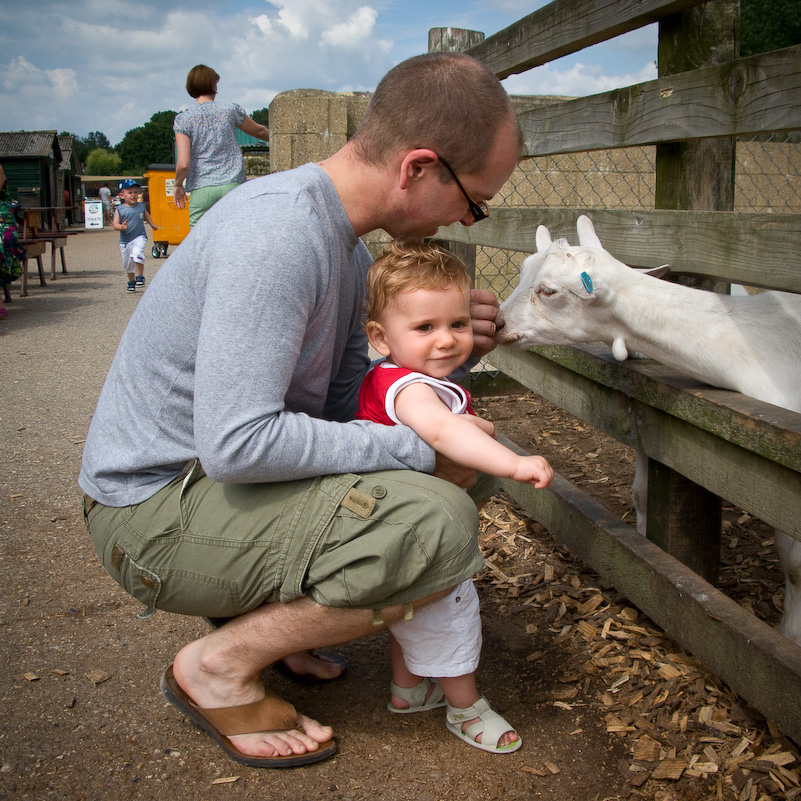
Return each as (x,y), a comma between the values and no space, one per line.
(461,440)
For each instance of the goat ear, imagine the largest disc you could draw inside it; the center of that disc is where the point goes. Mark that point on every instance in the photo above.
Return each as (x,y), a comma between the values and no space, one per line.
(542,239)
(656,272)
(586,233)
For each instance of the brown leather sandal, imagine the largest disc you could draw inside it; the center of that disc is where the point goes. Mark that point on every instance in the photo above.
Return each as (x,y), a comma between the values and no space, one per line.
(270,714)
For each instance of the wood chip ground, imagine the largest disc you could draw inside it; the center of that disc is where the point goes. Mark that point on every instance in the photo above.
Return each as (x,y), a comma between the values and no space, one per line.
(688,735)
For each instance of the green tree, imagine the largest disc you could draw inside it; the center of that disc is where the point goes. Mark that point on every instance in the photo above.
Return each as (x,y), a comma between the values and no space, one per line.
(262,117)
(102,162)
(769,25)
(152,143)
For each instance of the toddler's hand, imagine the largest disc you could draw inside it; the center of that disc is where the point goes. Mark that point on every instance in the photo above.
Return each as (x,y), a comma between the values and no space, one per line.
(534,470)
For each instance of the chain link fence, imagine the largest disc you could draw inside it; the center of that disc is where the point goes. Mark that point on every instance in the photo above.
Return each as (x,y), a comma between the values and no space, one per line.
(767,181)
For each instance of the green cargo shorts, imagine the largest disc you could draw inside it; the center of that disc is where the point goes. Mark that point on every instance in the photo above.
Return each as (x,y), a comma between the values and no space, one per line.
(198,547)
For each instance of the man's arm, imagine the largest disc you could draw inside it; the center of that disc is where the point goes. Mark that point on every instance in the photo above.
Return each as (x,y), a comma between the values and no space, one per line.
(261,381)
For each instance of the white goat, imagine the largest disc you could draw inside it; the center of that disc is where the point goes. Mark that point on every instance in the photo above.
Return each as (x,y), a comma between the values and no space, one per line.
(750,344)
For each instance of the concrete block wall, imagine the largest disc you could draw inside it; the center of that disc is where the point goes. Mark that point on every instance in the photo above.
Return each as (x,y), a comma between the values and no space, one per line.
(311,124)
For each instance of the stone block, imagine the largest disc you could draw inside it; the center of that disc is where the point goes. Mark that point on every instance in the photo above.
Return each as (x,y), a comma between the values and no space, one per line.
(308,111)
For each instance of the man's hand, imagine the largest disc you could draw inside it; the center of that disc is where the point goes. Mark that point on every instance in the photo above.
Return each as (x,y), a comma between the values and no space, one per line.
(483,311)
(454,472)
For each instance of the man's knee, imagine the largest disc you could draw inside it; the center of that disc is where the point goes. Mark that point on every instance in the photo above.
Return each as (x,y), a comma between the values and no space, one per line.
(419,537)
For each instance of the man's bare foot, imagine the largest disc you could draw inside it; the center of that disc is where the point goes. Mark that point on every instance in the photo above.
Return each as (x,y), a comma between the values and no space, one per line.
(210,689)
(311,666)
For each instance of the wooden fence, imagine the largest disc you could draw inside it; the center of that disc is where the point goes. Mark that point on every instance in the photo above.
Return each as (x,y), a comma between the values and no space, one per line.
(702,443)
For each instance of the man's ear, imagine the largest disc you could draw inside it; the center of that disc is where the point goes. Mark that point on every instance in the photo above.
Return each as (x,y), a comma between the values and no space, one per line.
(414,164)
(375,335)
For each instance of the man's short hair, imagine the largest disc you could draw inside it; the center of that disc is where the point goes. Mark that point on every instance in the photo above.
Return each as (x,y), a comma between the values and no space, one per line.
(448,102)
(202,80)
(406,266)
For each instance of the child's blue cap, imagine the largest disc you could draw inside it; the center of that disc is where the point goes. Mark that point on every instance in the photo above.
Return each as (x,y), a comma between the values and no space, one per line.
(127,183)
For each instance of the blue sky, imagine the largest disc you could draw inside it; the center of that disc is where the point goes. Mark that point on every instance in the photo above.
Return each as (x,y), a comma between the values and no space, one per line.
(109,65)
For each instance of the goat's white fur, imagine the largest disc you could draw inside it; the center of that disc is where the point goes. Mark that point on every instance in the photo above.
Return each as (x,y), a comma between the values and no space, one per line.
(750,344)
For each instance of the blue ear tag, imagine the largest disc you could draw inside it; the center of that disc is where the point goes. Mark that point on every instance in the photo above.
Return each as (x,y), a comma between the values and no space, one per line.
(587,281)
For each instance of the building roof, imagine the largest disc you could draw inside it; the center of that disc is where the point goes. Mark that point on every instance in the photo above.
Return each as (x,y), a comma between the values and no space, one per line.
(29,144)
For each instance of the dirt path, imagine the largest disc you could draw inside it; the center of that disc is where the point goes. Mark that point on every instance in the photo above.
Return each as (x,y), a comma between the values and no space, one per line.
(82,716)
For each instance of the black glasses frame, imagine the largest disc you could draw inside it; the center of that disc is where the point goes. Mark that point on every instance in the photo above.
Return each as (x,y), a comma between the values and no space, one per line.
(480,210)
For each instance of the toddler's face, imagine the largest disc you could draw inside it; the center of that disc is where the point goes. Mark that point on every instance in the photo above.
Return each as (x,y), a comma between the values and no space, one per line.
(427,330)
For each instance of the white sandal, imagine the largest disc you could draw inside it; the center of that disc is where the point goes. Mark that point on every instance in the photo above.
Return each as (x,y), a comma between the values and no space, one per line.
(490,725)
(416,697)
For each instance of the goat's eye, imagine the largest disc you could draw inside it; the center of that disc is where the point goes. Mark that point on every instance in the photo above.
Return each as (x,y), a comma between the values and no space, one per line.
(546,291)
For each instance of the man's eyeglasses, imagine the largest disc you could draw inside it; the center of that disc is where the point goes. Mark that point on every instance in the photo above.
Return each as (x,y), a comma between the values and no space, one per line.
(480,211)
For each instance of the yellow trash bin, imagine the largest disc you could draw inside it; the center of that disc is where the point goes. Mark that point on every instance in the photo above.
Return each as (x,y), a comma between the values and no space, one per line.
(173,223)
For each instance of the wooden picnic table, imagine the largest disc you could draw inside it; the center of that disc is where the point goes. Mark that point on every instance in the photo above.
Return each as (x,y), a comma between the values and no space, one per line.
(35,238)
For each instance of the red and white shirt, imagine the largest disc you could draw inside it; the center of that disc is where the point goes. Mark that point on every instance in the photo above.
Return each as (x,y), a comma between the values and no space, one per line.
(384,381)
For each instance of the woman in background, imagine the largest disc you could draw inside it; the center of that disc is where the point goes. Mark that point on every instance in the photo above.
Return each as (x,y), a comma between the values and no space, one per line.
(12,253)
(209,161)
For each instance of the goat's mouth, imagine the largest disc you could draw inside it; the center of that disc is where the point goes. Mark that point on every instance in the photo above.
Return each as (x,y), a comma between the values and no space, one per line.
(507,339)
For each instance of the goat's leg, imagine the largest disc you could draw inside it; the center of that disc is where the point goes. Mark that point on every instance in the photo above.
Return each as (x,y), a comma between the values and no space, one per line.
(639,490)
(789,551)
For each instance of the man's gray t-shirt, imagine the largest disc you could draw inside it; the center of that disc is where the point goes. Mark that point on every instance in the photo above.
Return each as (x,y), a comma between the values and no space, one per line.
(244,351)
(215,155)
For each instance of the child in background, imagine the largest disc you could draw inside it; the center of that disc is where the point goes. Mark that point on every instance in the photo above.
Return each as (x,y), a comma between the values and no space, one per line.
(418,318)
(129,219)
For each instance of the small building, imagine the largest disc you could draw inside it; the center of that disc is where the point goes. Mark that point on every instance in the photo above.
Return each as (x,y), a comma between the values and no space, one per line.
(31,160)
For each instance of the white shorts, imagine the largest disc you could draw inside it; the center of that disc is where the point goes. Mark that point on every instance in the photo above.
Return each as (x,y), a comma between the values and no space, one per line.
(133,253)
(444,637)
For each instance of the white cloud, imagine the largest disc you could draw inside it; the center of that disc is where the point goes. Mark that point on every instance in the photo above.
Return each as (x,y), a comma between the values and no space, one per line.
(579,80)
(354,33)
(19,75)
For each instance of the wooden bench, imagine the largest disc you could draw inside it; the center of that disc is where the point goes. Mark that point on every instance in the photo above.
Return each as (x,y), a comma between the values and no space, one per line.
(34,249)
(35,239)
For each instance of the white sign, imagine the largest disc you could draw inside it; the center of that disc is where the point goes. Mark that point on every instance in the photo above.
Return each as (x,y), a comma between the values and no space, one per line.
(93,213)
(169,187)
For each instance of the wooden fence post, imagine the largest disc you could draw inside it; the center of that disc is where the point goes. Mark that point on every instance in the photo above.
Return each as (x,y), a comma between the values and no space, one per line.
(684,518)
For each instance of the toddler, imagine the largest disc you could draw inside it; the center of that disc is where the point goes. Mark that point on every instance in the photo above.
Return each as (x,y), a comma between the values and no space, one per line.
(418,318)
(129,219)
